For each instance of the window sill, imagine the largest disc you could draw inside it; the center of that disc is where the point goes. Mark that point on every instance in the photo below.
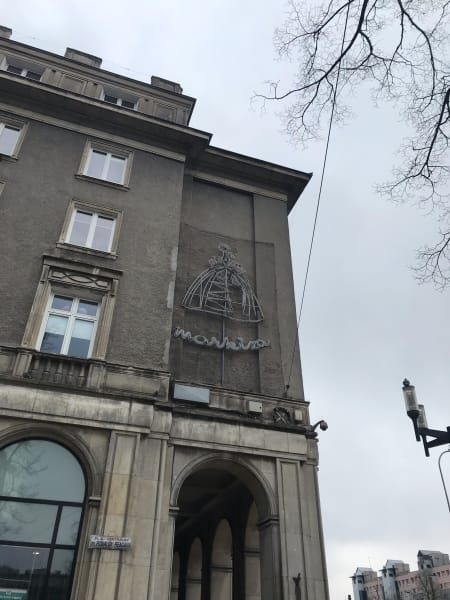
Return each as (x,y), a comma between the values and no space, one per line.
(105,182)
(9,157)
(83,250)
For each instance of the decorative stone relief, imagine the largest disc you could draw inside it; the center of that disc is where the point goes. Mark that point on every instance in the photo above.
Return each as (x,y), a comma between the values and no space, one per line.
(82,279)
(281,415)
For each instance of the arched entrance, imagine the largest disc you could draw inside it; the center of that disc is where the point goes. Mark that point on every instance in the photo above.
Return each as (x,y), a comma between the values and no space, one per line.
(217,540)
(42,493)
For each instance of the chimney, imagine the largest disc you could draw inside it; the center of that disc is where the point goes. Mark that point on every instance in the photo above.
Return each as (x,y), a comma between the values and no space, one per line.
(165,84)
(83,57)
(5,32)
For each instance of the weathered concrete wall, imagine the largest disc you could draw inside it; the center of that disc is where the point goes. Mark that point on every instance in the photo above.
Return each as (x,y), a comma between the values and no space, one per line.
(38,190)
(256,229)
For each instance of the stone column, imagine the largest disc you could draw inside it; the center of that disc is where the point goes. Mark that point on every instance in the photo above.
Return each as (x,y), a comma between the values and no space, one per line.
(252,557)
(175,579)
(270,559)
(113,513)
(194,571)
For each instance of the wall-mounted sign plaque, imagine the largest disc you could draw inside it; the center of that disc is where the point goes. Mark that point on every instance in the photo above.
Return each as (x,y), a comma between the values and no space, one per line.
(109,542)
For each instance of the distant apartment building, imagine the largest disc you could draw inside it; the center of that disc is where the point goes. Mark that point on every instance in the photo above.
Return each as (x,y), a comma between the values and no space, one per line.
(431,580)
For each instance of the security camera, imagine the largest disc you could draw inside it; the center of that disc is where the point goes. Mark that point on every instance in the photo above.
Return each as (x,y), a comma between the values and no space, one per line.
(323,425)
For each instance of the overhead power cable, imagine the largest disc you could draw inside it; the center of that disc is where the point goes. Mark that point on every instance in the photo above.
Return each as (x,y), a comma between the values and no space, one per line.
(333,104)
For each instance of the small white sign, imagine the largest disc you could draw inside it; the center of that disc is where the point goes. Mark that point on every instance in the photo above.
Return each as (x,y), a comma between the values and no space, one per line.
(191,393)
(109,542)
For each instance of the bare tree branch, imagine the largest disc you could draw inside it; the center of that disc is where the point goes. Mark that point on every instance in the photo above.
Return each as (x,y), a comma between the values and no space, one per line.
(402,48)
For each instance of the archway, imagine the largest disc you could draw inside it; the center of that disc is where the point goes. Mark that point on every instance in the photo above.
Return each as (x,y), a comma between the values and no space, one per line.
(42,493)
(219,506)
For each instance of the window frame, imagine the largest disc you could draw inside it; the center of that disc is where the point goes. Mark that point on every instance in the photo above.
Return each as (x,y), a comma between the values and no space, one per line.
(69,278)
(78,205)
(53,545)
(72,316)
(120,97)
(22,126)
(92,146)
(24,71)
(24,66)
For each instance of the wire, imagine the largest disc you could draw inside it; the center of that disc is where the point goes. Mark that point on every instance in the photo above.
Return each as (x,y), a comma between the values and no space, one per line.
(318,200)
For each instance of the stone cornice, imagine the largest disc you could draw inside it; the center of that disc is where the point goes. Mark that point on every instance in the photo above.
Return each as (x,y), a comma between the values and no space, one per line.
(100,75)
(46,99)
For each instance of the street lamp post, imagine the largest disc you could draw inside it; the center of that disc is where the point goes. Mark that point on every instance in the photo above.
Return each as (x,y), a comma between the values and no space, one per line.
(416,412)
(35,555)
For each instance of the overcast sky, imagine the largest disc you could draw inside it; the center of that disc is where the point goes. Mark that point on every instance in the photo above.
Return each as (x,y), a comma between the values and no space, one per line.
(366,323)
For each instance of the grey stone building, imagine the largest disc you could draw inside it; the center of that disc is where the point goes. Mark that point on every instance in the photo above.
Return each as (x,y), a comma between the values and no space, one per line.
(154,438)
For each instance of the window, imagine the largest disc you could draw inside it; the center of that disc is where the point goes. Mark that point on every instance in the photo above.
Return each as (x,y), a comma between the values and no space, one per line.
(9,138)
(70,326)
(42,492)
(105,165)
(72,309)
(119,101)
(119,97)
(103,162)
(24,72)
(91,230)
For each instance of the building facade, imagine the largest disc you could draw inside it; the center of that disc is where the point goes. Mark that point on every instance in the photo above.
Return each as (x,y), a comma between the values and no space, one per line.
(431,580)
(154,437)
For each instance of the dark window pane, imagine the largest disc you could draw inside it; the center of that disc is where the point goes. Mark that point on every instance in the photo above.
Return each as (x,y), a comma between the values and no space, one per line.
(87,308)
(96,163)
(103,234)
(23,568)
(23,522)
(80,228)
(51,343)
(60,570)
(79,348)
(128,104)
(62,303)
(32,75)
(54,334)
(68,526)
(81,338)
(111,99)
(116,169)
(13,69)
(41,470)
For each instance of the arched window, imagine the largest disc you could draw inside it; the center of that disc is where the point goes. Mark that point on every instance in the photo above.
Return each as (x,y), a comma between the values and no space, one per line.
(42,491)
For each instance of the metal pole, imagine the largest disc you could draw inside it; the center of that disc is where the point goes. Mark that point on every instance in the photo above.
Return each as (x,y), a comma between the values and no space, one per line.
(442,477)
(222,364)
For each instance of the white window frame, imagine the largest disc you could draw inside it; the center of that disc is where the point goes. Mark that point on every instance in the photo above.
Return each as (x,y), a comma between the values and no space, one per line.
(120,98)
(108,157)
(119,101)
(24,72)
(72,317)
(99,211)
(109,151)
(21,126)
(64,277)
(24,68)
(92,228)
